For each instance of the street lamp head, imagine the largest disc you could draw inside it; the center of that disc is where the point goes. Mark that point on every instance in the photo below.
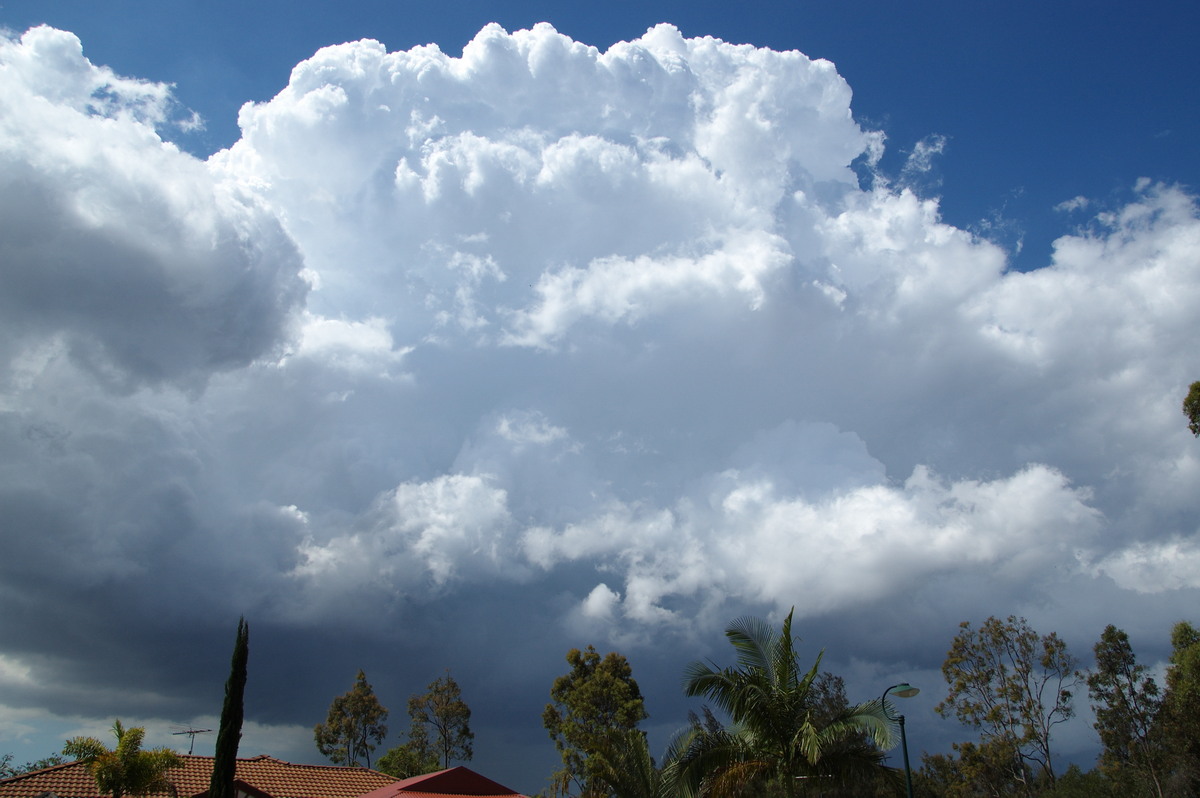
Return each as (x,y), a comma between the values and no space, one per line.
(903,690)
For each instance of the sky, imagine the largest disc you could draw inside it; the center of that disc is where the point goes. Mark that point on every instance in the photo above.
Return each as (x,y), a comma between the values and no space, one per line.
(454,336)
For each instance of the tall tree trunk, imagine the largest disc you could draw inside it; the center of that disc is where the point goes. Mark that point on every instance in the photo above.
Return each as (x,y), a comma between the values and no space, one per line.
(230,732)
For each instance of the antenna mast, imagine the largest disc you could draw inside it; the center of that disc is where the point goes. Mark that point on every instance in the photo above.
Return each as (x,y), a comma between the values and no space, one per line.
(191,733)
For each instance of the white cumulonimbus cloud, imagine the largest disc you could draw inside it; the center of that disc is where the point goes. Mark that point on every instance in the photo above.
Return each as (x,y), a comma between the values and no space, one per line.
(119,250)
(621,326)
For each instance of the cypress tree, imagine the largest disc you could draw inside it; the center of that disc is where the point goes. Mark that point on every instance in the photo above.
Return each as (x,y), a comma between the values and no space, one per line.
(230,731)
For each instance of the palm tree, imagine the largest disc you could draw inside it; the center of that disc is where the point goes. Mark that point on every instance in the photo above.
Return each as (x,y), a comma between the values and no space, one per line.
(625,768)
(126,769)
(779,741)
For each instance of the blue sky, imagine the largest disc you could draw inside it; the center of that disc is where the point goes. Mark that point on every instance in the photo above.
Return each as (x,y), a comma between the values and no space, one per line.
(462,357)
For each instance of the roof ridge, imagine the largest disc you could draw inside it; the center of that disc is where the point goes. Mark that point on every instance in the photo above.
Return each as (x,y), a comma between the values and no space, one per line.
(269,774)
(358,768)
(42,770)
(255,758)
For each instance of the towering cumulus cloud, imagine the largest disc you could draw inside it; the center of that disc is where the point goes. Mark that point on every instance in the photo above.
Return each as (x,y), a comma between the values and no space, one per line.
(118,250)
(623,341)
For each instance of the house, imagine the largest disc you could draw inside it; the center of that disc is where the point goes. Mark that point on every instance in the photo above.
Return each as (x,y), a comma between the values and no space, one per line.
(452,783)
(255,777)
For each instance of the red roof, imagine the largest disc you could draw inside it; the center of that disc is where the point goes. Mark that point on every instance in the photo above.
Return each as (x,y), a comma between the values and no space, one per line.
(269,775)
(445,784)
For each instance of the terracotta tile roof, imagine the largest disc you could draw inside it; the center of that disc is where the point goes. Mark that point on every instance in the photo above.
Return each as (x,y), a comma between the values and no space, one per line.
(273,776)
(452,783)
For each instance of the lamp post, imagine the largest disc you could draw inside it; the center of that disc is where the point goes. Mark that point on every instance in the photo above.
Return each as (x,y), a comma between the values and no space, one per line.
(902,690)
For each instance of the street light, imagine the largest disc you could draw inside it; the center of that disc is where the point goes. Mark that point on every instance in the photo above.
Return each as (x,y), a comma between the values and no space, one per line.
(902,690)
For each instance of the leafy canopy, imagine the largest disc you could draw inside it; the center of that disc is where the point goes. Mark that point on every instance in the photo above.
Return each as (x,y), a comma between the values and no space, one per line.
(1180,715)
(407,760)
(1191,408)
(597,697)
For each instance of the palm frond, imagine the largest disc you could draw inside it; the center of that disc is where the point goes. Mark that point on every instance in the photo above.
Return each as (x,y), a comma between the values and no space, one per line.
(696,753)
(754,641)
(739,778)
(626,766)
(84,749)
(873,718)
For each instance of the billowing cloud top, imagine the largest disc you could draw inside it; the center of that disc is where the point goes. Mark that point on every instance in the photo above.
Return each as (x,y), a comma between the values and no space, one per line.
(617,340)
(118,249)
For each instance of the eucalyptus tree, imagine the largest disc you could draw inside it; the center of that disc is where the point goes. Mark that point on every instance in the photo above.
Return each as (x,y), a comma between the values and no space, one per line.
(1191,408)
(442,711)
(1014,687)
(1126,702)
(781,740)
(597,697)
(1179,720)
(354,726)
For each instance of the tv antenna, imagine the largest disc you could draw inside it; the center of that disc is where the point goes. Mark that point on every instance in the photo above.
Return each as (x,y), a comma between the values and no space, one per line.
(191,733)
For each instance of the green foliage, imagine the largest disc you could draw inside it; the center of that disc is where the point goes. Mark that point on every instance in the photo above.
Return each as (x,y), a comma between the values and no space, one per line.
(126,769)
(8,769)
(595,698)
(355,725)
(1014,687)
(442,711)
(1191,408)
(990,768)
(790,730)
(1075,783)
(969,774)
(626,767)
(1180,715)
(1126,702)
(440,732)
(230,731)
(407,760)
